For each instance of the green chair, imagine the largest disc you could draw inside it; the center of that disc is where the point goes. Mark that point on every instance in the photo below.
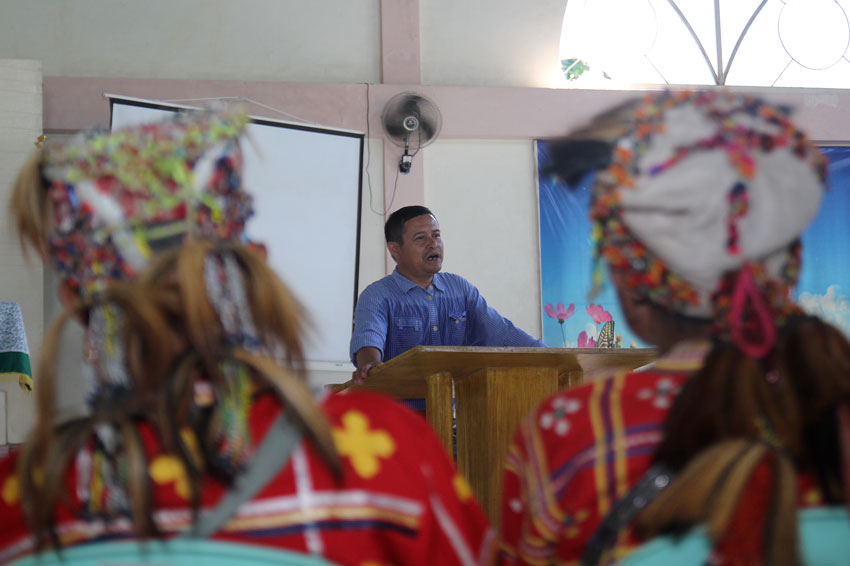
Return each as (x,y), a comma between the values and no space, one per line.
(824,541)
(175,552)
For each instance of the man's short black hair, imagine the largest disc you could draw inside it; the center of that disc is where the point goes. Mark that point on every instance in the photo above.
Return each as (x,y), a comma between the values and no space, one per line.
(394,228)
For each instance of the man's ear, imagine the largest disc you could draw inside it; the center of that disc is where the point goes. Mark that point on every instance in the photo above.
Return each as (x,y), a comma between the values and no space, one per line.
(394,249)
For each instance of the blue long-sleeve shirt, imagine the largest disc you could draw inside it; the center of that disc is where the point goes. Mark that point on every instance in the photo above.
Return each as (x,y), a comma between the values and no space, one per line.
(394,314)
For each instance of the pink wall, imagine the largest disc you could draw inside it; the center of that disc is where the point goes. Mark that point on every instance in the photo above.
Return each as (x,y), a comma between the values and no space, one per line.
(72,103)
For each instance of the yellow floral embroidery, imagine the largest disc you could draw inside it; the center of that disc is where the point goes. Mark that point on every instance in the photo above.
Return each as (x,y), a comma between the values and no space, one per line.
(11,490)
(362,446)
(462,488)
(166,468)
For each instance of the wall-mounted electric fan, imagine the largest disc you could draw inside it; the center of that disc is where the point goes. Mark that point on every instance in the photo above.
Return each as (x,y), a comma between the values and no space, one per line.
(411,121)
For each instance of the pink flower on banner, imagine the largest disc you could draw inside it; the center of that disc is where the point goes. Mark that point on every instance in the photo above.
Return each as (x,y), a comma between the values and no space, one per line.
(584,341)
(562,313)
(598,314)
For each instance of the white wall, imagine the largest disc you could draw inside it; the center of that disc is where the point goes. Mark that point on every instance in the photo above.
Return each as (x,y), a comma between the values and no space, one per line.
(372,254)
(468,42)
(484,195)
(491,43)
(20,280)
(250,40)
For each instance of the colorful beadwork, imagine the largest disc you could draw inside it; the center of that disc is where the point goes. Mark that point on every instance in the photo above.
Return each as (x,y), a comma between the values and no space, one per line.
(117,197)
(646,273)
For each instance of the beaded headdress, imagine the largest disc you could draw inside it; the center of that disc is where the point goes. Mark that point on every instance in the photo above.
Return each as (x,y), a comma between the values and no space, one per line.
(115,200)
(701,205)
(117,197)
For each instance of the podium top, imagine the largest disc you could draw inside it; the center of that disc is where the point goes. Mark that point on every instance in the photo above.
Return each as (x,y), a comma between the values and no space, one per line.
(404,376)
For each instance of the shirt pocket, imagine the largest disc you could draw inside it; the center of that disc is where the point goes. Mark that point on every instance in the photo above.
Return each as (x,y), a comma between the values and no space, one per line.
(457,328)
(408,332)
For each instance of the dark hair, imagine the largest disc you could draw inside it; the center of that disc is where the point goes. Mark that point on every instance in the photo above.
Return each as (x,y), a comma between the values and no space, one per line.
(394,228)
(738,412)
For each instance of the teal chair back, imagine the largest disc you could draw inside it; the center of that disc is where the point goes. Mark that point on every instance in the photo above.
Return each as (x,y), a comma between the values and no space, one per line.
(824,541)
(176,552)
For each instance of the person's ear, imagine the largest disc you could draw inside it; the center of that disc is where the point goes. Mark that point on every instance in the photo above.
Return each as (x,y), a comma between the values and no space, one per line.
(394,249)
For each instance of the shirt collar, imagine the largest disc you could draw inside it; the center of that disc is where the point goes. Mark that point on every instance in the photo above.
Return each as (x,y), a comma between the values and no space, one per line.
(406,284)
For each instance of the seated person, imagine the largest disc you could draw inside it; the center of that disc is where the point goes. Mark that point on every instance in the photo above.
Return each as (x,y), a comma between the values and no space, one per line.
(192,343)
(417,305)
(698,208)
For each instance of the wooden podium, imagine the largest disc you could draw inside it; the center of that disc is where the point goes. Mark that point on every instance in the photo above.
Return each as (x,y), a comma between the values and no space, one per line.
(494,388)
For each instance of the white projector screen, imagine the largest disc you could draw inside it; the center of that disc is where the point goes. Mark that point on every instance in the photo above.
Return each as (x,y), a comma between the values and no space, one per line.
(306,184)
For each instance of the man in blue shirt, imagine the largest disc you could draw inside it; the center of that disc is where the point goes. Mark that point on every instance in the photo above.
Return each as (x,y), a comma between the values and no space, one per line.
(417,305)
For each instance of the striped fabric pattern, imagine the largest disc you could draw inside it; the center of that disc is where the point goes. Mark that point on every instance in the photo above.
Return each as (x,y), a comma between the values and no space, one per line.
(579,453)
(399,499)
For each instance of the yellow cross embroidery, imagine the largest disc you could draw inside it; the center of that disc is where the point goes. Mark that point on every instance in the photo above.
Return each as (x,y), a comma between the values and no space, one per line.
(11,490)
(362,446)
(166,468)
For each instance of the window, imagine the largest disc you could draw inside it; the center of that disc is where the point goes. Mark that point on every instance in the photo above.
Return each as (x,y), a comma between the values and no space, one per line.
(783,43)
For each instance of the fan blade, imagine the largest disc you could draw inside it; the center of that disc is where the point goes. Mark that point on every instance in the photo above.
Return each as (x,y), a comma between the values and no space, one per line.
(428,130)
(405,105)
(395,129)
(412,104)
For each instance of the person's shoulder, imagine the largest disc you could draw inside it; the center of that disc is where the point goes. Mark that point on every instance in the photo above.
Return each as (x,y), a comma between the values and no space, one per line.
(376,407)
(446,275)
(626,384)
(570,400)
(453,280)
(376,291)
(379,283)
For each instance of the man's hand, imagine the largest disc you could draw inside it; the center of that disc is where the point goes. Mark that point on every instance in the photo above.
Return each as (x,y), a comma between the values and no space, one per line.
(360,374)
(367,358)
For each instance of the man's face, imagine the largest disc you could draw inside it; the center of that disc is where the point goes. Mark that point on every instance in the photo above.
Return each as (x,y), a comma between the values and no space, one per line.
(420,254)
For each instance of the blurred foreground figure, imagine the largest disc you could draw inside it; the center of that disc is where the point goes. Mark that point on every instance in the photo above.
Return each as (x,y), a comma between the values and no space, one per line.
(199,426)
(698,205)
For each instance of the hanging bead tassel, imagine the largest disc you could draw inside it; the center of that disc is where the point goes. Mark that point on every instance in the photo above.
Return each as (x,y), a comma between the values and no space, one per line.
(747,290)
